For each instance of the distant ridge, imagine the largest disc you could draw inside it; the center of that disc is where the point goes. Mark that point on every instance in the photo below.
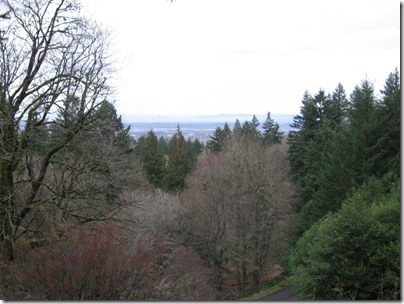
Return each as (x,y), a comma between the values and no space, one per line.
(220,118)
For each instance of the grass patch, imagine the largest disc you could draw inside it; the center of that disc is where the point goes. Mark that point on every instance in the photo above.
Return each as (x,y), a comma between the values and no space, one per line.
(269,287)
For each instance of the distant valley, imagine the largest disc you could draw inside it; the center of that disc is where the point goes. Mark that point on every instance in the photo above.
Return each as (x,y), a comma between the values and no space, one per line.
(196,127)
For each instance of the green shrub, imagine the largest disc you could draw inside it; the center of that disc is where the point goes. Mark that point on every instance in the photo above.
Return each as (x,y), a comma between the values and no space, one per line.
(353,253)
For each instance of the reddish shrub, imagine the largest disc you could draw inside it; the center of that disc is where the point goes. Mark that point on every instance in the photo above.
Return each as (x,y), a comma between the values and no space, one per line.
(88,265)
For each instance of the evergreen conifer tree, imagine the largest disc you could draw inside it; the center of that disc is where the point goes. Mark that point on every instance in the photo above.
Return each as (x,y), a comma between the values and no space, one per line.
(163,145)
(335,108)
(250,128)
(362,132)
(271,134)
(179,163)
(387,149)
(195,147)
(300,152)
(237,128)
(152,159)
(216,141)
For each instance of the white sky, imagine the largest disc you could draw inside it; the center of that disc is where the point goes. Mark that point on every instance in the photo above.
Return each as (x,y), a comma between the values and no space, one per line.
(201,57)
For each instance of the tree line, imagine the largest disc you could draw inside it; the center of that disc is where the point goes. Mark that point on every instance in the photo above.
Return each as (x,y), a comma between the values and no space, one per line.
(345,162)
(168,161)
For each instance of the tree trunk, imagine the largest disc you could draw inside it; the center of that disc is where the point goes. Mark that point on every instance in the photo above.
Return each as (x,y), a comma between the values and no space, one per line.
(8,157)
(7,211)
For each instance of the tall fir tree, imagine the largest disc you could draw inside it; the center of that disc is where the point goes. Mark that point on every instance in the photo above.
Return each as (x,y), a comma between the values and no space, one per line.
(250,128)
(387,149)
(344,152)
(237,128)
(152,159)
(179,163)
(271,134)
(320,117)
(111,125)
(195,147)
(335,108)
(163,145)
(362,132)
(216,141)
(300,153)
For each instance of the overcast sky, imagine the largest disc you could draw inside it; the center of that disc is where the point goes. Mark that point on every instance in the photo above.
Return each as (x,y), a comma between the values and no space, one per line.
(199,57)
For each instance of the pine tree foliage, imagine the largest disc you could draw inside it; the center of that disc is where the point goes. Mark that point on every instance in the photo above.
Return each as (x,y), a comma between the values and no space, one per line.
(301,153)
(271,134)
(237,128)
(336,145)
(388,118)
(97,154)
(195,147)
(216,141)
(179,163)
(110,124)
(249,129)
(335,108)
(152,159)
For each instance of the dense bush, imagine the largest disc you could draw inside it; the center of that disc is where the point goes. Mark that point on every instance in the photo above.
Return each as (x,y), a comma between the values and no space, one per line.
(355,252)
(95,265)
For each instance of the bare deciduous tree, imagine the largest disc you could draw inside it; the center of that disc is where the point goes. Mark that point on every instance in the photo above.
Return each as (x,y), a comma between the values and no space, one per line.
(239,204)
(263,213)
(208,203)
(48,55)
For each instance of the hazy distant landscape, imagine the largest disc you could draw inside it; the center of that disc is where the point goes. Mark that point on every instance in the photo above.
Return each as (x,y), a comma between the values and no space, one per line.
(194,127)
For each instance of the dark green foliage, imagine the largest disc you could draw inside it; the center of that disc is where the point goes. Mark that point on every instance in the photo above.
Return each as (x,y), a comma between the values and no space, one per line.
(361,132)
(352,238)
(164,145)
(216,141)
(179,163)
(152,159)
(349,160)
(321,184)
(249,129)
(322,180)
(308,118)
(302,150)
(336,148)
(271,134)
(237,127)
(109,124)
(195,147)
(96,154)
(162,159)
(138,145)
(355,252)
(303,125)
(104,123)
(335,108)
(387,148)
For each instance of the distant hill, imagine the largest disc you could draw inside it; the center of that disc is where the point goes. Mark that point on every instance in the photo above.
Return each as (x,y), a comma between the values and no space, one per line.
(221,118)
